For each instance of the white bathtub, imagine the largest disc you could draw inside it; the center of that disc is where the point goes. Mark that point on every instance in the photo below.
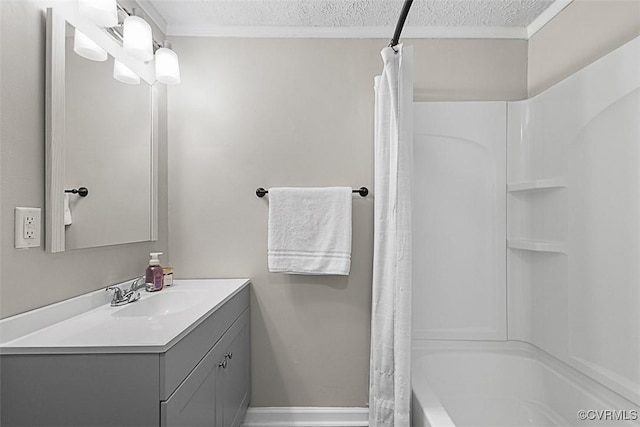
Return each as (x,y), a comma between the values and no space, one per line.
(507,384)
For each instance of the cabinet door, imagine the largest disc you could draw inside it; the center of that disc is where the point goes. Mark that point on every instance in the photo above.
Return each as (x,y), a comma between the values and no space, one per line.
(194,402)
(234,380)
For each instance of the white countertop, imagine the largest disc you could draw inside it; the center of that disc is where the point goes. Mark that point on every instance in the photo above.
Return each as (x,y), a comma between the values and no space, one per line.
(88,324)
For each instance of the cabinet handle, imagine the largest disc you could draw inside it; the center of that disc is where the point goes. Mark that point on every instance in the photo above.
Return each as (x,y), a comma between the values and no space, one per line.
(223,364)
(229,355)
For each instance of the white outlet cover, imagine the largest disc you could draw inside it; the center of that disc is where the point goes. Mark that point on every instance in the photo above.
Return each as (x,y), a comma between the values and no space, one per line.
(28,226)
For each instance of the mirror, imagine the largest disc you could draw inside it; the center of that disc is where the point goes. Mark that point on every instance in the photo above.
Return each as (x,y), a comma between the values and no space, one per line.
(100,135)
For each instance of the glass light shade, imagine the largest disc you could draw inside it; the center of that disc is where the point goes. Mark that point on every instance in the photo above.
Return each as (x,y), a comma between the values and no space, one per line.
(137,41)
(103,12)
(167,67)
(123,74)
(87,48)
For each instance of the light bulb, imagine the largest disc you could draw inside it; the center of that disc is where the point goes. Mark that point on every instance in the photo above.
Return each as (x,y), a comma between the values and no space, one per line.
(87,48)
(103,12)
(123,74)
(167,67)
(137,42)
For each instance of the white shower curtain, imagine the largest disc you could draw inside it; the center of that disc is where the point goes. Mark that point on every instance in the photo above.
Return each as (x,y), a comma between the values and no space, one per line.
(390,376)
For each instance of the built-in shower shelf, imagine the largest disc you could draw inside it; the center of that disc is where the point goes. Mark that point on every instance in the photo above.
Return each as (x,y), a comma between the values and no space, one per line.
(537,184)
(537,245)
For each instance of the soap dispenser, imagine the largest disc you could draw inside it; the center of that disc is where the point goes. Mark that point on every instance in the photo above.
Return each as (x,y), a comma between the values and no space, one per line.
(153,273)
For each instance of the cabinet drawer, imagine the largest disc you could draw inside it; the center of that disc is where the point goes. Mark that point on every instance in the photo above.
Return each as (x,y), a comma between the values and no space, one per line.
(181,359)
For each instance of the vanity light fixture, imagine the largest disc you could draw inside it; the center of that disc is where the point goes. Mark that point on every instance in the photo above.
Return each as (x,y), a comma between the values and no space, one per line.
(103,12)
(123,74)
(167,66)
(87,48)
(137,39)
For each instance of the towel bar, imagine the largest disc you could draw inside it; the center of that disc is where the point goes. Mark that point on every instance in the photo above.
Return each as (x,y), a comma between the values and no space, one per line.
(363,191)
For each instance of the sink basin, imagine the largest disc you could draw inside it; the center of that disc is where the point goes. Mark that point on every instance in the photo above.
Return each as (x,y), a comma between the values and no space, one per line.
(88,323)
(162,304)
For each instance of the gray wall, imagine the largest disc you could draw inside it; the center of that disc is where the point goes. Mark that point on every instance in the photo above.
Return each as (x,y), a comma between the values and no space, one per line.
(260,113)
(30,278)
(583,32)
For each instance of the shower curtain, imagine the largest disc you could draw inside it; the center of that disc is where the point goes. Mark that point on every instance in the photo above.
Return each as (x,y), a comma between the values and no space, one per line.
(390,380)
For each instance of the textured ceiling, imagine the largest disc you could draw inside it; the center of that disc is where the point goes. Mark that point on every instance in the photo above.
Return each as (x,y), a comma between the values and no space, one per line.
(200,16)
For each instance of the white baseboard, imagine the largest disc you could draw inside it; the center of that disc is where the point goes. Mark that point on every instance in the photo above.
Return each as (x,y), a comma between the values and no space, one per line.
(306,417)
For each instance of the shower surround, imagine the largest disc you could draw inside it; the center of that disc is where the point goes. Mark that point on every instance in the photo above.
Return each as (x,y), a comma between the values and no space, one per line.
(570,294)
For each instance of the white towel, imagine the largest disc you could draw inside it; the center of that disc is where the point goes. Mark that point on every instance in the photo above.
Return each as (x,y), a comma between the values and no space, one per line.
(310,230)
(67,211)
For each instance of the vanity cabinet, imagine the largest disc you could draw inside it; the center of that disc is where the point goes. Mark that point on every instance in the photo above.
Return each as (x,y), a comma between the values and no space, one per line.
(201,378)
(216,393)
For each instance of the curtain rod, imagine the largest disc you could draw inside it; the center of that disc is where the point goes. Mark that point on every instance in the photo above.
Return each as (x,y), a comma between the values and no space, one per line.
(403,17)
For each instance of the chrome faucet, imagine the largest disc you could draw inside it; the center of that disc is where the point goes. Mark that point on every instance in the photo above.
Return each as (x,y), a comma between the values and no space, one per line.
(121,298)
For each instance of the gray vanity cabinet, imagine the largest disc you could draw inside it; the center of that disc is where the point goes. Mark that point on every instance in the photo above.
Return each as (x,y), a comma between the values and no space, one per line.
(203,379)
(216,393)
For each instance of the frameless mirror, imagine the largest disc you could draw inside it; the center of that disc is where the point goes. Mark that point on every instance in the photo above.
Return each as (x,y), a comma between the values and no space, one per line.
(101,136)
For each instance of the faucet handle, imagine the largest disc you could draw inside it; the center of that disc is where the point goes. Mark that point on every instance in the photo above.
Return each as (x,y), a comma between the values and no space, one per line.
(139,283)
(117,292)
(135,282)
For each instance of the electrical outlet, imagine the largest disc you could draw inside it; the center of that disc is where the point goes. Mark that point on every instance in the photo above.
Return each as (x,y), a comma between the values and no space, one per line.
(27,227)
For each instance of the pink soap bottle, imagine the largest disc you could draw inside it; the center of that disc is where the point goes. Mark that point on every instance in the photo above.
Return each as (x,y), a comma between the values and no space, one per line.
(153,273)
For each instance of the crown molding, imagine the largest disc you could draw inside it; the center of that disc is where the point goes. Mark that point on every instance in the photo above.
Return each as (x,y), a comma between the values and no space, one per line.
(349,32)
(153,14)
(546,16)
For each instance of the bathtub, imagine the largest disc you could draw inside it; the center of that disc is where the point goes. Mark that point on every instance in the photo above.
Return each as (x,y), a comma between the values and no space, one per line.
(507,384)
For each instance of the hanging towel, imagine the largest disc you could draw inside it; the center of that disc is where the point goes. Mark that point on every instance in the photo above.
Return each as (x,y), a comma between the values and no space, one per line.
(67,211)
(310,230)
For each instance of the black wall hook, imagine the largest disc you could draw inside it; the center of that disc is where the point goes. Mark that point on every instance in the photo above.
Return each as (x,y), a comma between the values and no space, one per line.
(81,191)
